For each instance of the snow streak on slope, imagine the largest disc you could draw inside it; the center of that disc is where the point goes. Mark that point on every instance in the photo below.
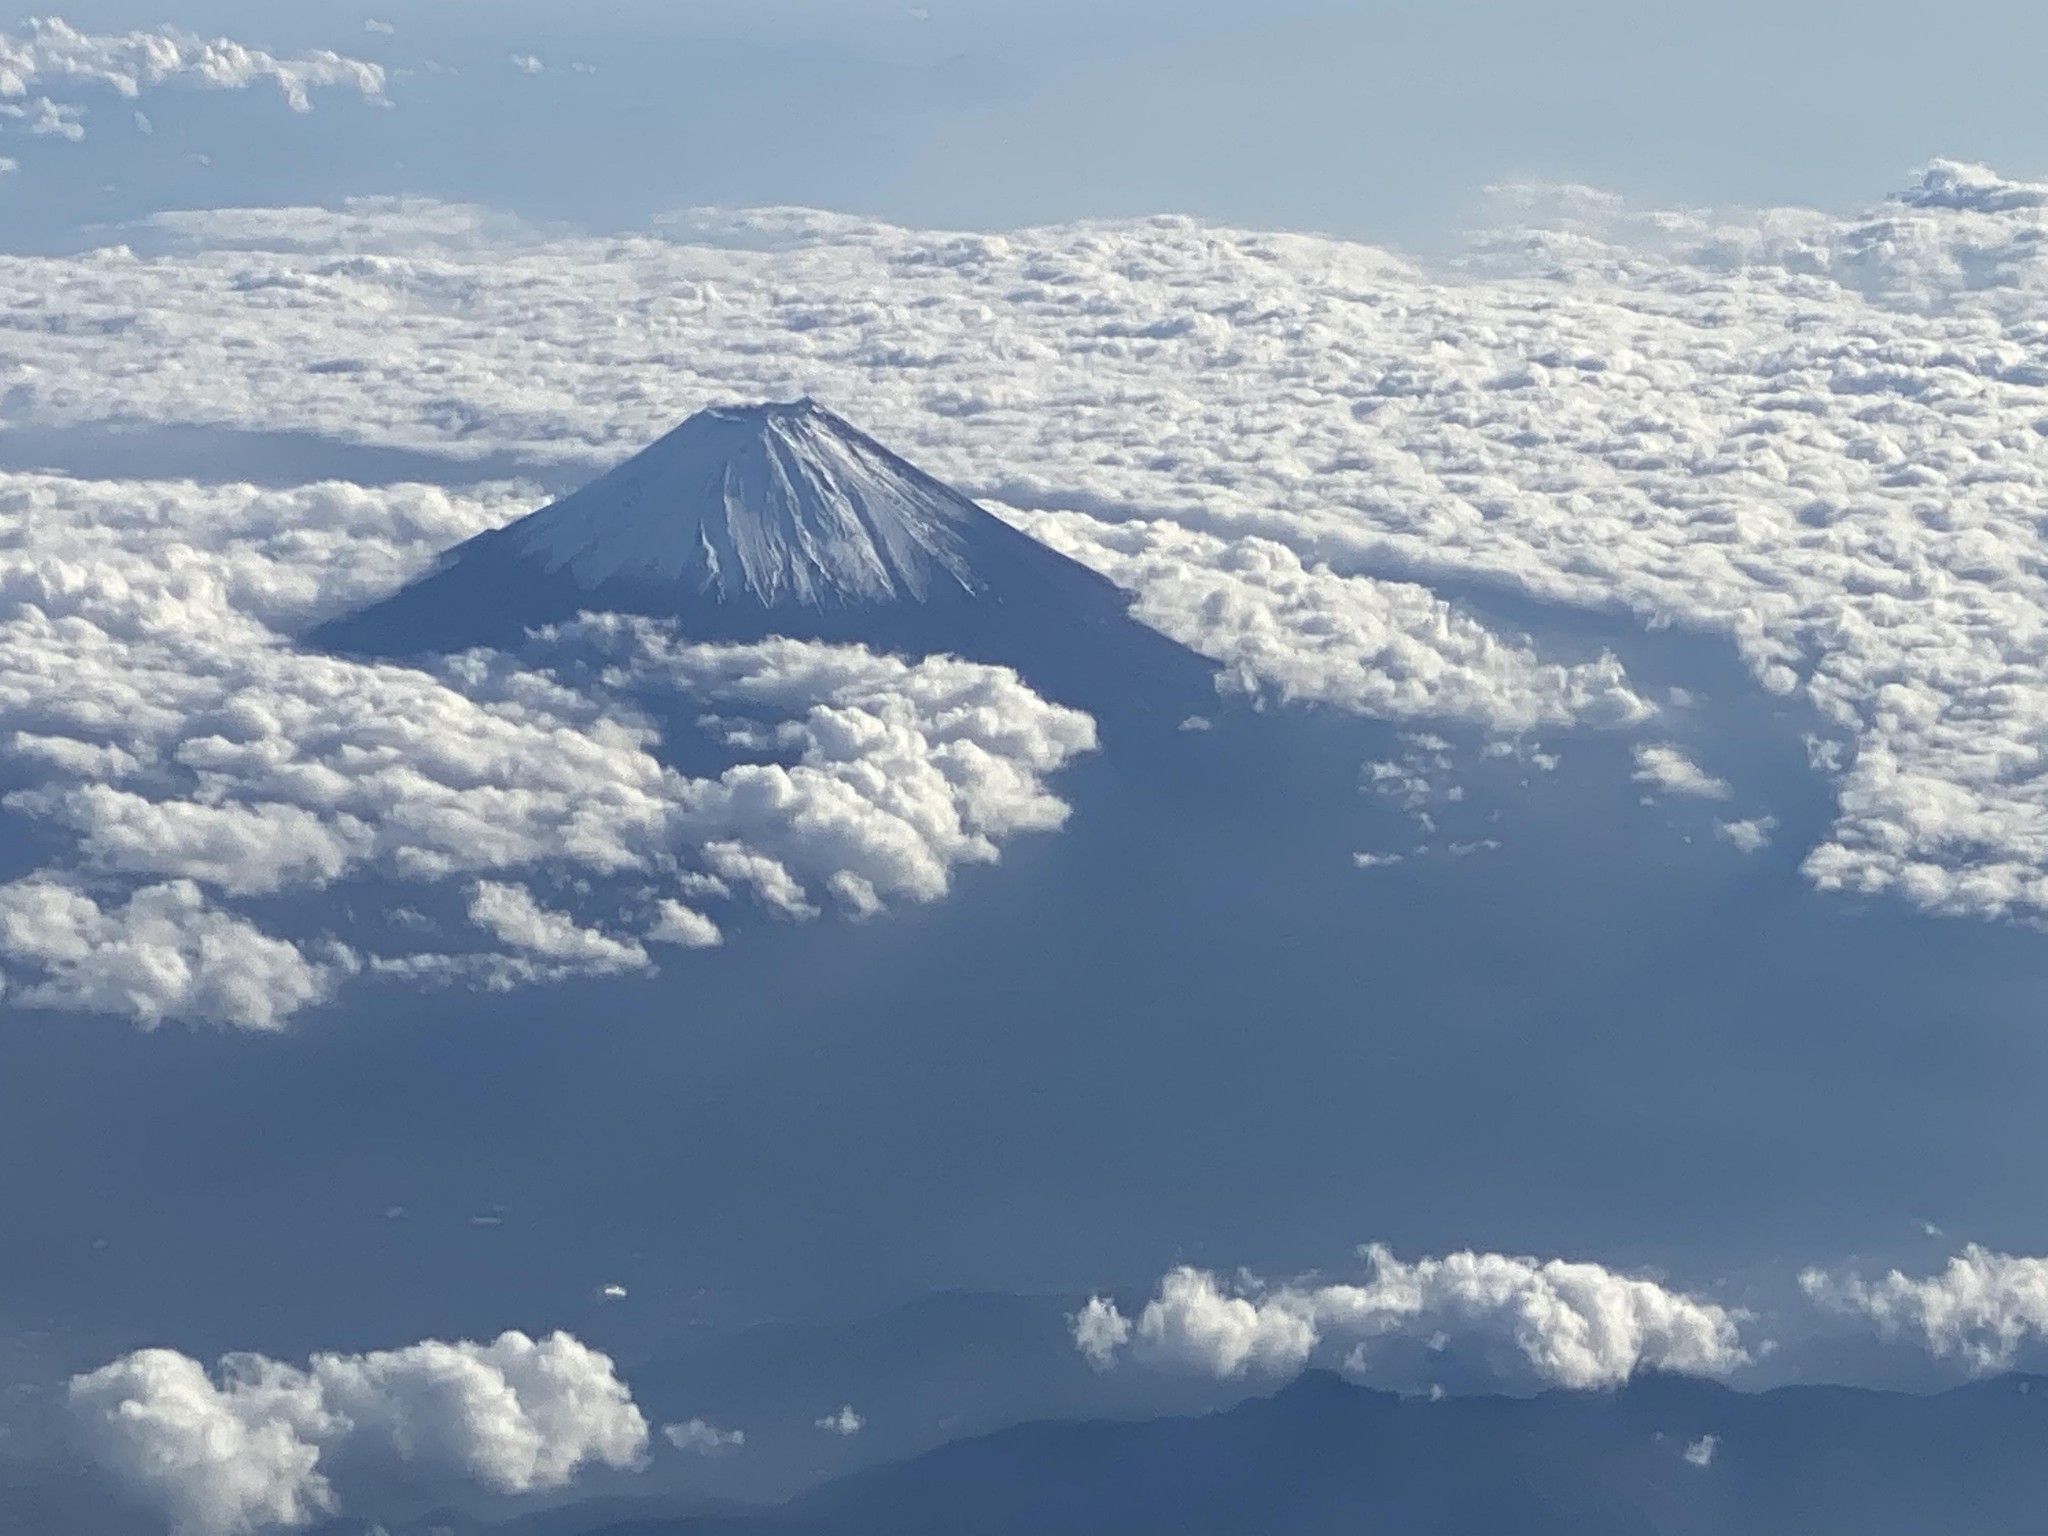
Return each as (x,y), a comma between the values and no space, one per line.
(780,504)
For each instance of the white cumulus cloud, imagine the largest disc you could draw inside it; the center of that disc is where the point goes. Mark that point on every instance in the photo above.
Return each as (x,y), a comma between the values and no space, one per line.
(843,1423)
(703,1437)
(1555,1322)
(195,761)
(1982,1308)
(1750,835)
(1099,1331)
(256,1442)
(163,953)
(51,55)
(513,917)
(1665,767)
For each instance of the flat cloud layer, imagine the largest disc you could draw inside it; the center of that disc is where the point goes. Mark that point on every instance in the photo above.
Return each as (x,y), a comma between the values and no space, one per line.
(1554,1323)
(195,763)
(254,1443)
(1815,435)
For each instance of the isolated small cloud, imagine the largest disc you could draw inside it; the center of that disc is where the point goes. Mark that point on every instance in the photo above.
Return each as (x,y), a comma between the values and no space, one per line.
(1099,1331)
(675,923)
(843,1423)
(512,916)
(1304,633)
(1700,1452)
(1750,836)
(703,1438)
(1666,768)
(47,119)
(527,63)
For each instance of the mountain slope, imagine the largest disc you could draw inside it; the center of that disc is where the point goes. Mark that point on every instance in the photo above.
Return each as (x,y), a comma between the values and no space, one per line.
(1324,1458)
(783,519)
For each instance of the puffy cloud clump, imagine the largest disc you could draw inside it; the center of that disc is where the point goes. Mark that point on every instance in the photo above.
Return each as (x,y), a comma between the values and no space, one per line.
(703,1438)
(50,55)
(1667,768)
(217,1458)
(164,953)
(193,763)
(1554,1322)
(896,769)
(258,1443)
(845,1423)
(512,916)
(1304,633)
(1983,1308)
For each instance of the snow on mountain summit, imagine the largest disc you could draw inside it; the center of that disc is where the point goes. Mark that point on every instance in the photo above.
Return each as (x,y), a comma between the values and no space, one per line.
(783,519)
(774,504)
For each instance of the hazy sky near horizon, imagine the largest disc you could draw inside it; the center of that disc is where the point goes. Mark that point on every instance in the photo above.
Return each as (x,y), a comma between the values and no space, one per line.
(1380,121)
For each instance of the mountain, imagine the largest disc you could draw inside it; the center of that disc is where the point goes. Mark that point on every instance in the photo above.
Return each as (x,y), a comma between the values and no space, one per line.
(935,1369)
(1326,1458)
(783,519)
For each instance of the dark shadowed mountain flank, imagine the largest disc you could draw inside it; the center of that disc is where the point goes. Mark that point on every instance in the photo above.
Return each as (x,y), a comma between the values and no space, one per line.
(1662,1457)
(749,521)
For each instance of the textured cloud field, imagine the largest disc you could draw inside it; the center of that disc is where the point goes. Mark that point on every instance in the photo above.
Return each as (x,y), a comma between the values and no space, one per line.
(190,762)
(1821,437)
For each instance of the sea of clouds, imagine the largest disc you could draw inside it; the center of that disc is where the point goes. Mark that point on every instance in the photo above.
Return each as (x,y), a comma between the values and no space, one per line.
(1821,437)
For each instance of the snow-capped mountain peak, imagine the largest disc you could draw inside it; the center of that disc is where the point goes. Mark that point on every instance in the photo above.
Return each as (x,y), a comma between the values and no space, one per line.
(781,505)
(754,520)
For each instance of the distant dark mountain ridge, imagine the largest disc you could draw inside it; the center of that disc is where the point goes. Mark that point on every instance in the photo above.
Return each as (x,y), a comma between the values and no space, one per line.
(1661,1457)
